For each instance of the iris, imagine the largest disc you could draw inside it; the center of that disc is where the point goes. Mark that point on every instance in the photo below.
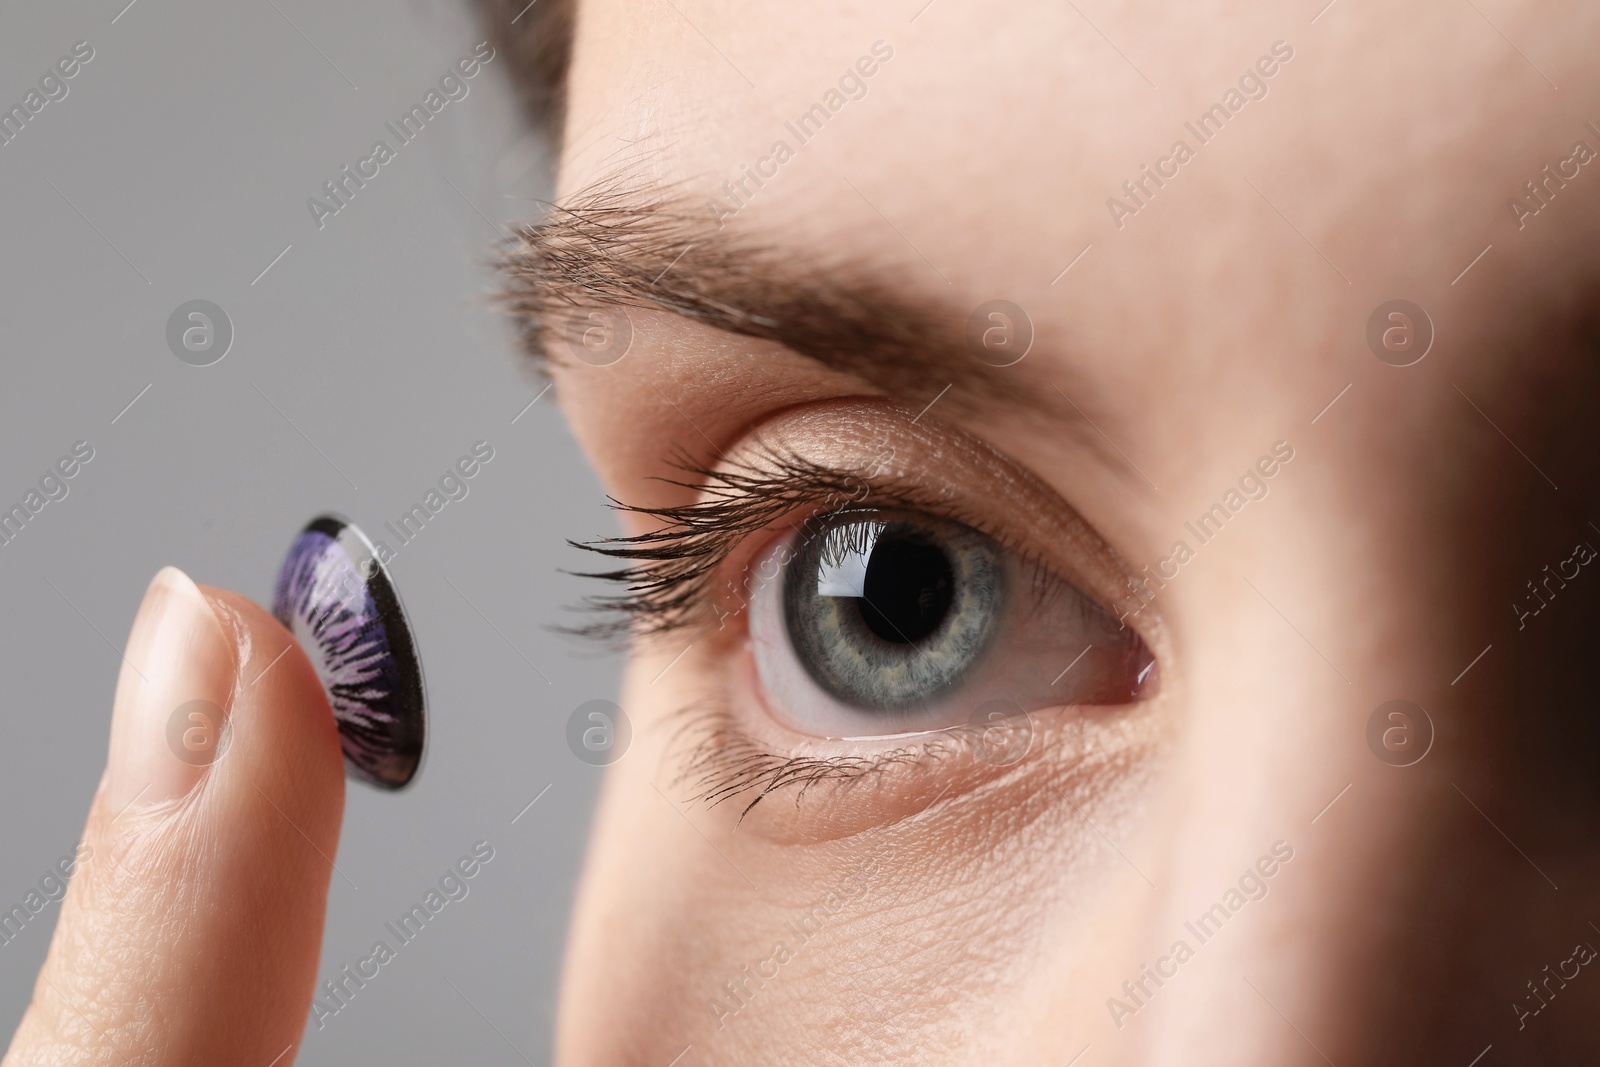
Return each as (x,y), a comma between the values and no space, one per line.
(888,612)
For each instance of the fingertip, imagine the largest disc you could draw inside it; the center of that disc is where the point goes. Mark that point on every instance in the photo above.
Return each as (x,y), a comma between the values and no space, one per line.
(280,707)
(176,681)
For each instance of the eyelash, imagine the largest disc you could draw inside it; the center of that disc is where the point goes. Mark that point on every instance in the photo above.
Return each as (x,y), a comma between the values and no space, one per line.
(669,586)
(669,578)
(722,763)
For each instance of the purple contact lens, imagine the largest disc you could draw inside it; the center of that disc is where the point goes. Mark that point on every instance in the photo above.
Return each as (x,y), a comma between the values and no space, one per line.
(337,600)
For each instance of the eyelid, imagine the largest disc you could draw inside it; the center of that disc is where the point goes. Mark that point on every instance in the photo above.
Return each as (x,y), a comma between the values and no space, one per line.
(722,761)
(962,478)
(782,472)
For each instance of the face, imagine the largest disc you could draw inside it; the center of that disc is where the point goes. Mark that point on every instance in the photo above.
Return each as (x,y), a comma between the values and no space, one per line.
(1076,611)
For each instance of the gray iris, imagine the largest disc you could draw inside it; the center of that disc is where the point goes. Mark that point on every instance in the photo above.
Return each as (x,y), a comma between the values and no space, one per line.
(888,613)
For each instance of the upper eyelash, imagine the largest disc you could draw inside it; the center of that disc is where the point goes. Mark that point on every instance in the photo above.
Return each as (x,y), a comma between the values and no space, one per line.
(671,568)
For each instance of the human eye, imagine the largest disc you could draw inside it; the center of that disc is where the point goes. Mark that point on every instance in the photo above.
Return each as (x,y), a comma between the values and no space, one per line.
(871,598)
(883,622)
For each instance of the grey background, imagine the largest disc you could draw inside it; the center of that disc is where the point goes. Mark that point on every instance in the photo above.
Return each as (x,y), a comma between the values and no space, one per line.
(191,143)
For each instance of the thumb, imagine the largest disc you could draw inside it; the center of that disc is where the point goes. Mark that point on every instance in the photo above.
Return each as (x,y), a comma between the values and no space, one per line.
(192,927)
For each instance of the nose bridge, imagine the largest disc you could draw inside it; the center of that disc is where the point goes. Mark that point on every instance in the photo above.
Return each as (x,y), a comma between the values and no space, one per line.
(1271,938)
(1418,919)
(1270,893)
(1430,763)
(1307,780)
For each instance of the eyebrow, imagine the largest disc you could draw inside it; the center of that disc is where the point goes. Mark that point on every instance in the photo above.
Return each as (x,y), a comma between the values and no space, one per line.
(618,246)
(537,37)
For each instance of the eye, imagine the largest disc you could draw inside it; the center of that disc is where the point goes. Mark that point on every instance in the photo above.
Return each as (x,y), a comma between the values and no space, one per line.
(858,596)
(888,622)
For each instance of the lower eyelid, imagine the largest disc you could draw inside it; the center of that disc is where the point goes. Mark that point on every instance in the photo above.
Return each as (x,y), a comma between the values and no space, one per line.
(794,794)
(731,753)
(792,790)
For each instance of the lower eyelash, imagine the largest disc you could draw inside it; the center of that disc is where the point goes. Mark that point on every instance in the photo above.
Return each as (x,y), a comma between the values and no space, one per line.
(720,762)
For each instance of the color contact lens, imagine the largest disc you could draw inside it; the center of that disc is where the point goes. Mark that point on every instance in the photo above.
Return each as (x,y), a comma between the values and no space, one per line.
(338,601)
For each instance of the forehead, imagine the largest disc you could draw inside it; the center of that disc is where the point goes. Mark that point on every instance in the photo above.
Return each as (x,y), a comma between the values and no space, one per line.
(1198,207)
(1157,178)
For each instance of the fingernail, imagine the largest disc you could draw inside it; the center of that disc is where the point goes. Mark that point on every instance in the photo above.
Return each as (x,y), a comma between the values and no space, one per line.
(172,694)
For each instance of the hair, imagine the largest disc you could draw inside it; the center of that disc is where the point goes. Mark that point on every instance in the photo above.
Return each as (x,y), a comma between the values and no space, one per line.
(537,38)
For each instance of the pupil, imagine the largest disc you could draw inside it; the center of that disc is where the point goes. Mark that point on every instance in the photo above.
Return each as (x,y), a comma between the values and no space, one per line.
(907,589)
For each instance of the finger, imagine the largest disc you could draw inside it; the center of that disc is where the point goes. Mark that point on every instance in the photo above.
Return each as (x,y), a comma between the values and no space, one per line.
(192,927)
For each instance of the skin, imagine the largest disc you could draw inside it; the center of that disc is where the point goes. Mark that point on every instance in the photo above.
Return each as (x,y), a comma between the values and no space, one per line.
(998,917)
(973,912)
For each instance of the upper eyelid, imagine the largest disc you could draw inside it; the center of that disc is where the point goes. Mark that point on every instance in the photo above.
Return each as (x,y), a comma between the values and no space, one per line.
(673,568)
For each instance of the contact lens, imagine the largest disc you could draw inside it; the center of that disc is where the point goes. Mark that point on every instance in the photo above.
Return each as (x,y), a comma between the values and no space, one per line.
(337,599)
